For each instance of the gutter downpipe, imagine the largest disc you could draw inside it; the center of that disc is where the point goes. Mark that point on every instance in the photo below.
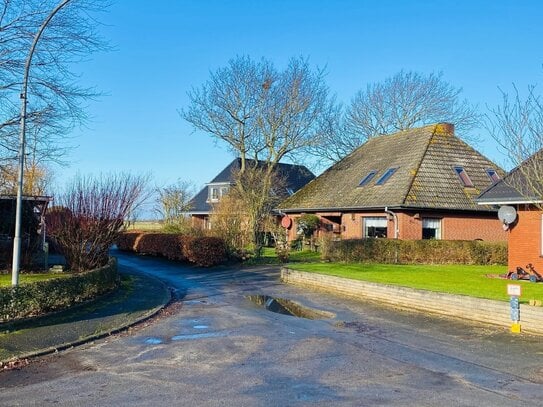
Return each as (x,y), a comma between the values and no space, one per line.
(395,217)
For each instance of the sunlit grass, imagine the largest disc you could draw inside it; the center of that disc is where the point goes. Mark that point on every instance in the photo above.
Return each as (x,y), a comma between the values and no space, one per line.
(474,281)
(5,279)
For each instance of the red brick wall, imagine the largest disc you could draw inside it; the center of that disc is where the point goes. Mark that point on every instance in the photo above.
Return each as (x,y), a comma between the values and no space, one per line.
(462,227)
(199,221)
(482,226)
(410,226)
(525,239)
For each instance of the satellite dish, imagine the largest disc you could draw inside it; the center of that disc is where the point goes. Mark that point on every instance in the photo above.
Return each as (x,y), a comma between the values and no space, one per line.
(507,214)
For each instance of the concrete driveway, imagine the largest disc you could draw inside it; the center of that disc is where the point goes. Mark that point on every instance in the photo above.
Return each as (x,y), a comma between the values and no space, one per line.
(219,349)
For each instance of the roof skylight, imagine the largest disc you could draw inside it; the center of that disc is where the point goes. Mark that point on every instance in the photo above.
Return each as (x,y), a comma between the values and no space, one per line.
(493,175)
(463,176)
(384,178)
(367,178)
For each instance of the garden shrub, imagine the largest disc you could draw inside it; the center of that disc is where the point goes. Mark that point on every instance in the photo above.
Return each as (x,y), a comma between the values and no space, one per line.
(200,250)
(128,240)
(150,243)
(205,251)
(31,299)
(416,251)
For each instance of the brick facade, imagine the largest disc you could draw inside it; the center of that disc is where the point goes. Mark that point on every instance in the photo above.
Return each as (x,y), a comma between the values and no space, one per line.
(525,245)
(454,225)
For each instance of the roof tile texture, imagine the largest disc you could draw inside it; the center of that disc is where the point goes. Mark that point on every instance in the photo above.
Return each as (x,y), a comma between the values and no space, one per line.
(425,178)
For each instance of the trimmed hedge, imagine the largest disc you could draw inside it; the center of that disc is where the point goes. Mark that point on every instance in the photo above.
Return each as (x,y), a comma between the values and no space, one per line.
(205,251)
(202,251)
(128,240)
(416,251)
(31,299)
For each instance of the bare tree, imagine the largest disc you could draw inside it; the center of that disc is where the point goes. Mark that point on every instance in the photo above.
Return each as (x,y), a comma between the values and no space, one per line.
(174,203)
(90,215)
(262,114)
(55,100)
(517,127)
(403,101)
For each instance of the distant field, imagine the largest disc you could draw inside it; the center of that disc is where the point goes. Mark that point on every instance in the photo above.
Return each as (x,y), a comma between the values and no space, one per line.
(145,225)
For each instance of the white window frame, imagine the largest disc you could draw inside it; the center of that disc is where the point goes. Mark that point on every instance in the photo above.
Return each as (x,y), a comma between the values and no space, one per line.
(214,198)
(433,222)
(377,220)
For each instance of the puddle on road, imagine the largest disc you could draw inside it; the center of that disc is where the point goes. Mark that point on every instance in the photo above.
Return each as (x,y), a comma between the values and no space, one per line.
(153,341)
(287,307)
(197,336)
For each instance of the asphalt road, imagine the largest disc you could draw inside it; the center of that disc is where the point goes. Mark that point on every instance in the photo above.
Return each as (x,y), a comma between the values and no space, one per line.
(219,349)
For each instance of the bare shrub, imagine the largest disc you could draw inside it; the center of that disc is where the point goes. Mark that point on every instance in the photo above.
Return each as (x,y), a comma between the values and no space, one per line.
(93,215)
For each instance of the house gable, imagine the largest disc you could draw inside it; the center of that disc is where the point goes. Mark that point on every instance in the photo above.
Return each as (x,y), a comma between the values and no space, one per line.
(423,175)
(294,176)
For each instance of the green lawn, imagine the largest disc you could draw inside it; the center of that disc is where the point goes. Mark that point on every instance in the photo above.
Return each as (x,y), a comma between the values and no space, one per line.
(5,279)
(453,279)
(269,257)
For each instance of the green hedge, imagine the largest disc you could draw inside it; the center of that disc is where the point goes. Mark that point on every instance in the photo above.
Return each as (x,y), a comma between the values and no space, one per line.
(31,299)
(202,251)
(416,251)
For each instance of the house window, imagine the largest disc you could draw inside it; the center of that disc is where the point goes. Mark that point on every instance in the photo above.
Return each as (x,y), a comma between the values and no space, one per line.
(224,191)
(463,176)
(431,228)
(493,175)
(375,227)
(214,193)
(384,178)
(367,178)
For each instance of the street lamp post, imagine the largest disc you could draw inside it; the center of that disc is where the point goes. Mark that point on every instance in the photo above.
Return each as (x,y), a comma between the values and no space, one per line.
(20,175)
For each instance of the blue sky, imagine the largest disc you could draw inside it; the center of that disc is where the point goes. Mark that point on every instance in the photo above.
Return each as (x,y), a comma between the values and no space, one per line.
(165,47)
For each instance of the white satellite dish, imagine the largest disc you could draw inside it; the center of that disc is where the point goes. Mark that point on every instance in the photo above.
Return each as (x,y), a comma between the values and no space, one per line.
(507,214)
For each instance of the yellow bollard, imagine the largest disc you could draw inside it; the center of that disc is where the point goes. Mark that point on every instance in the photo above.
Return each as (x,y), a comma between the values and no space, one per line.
(515,327)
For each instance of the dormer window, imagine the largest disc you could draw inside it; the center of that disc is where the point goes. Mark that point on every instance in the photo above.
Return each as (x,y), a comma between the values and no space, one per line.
(384,178)
(367,178)
(463,176)
(213,193)
(493,175)
(216,192)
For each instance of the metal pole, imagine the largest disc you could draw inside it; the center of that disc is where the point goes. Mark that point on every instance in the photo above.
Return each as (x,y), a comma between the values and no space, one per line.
(20,175)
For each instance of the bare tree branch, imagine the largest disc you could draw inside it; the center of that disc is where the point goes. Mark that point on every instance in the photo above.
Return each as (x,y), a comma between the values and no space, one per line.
(401,102)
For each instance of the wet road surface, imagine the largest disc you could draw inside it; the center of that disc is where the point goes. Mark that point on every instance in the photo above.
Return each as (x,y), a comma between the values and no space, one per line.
(220,349)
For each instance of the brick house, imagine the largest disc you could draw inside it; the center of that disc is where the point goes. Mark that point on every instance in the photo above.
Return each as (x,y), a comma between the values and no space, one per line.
(521,189)
(293,178)
(414,184)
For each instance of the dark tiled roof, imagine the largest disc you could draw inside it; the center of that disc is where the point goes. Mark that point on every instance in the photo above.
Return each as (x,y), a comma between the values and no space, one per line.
(522,184)
(425,178)
(294,176)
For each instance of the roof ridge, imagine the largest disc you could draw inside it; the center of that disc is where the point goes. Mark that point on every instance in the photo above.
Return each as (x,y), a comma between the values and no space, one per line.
(408,190)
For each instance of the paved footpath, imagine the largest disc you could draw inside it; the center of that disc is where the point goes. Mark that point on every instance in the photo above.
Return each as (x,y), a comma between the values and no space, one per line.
(219,349)
(139,297)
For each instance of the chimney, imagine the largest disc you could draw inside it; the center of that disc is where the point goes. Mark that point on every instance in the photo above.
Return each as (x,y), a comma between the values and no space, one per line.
(444,129)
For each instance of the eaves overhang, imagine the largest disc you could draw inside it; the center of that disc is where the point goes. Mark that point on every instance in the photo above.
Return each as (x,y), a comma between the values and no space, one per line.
(512,201)
(381,208)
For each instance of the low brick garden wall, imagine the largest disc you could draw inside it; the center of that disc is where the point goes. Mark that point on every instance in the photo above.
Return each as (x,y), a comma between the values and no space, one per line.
(459,306)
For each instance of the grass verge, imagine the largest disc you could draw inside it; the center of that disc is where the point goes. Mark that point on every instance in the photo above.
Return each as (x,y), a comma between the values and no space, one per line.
(473,281)
(5,279)
(270,257)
